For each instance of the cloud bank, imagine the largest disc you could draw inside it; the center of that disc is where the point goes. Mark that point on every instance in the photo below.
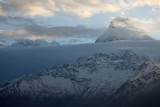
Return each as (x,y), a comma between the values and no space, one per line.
(26,28)
(15,21)
(16,16)
(77,8)
(39,32)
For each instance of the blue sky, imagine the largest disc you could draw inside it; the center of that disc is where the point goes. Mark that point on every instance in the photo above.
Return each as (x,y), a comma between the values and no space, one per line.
(47,19)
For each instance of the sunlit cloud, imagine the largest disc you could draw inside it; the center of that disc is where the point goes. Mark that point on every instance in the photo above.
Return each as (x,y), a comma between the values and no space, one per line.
(48,8)
(139,3)
(76,8)
(149,25)
(43,8)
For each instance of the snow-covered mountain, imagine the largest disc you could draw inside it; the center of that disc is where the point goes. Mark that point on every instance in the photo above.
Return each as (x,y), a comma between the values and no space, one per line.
(123,29)
(53,43)
(96,76)
(33,43)
(141,91)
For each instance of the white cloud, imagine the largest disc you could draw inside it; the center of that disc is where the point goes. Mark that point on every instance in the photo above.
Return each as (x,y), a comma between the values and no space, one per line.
(48,8)
(80,8)
(149,25)
(44,8)
(156,9)
(139,3)
(86,9)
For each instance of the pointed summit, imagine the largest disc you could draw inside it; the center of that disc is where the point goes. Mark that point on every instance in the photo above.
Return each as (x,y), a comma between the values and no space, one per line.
(123,29)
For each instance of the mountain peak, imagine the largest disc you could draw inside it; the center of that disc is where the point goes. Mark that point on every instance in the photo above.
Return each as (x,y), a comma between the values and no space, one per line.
(122,28)
(119,22)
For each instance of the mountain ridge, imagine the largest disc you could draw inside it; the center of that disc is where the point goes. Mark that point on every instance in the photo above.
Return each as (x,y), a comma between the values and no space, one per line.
(96,76)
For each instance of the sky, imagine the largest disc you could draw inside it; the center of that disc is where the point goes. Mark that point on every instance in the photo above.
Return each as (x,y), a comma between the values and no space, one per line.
(73,21)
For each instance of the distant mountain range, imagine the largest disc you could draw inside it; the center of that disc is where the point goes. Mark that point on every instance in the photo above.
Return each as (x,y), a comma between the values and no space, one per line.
(33,43)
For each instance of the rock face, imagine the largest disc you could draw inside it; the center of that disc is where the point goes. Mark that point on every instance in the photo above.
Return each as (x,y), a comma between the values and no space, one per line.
(142,91)
(33,43)
(123,29)
(88,82)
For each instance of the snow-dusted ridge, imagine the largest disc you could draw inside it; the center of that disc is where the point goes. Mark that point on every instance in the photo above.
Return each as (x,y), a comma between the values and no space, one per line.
(141,91)
(96,75)
(33,43)
(97,80)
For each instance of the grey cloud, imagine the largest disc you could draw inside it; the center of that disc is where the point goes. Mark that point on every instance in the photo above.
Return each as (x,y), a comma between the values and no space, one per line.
(64,31)
(15,21)
(26,27)
(47,8)
(2,41)
(80,8)
(3,19)
(38,31)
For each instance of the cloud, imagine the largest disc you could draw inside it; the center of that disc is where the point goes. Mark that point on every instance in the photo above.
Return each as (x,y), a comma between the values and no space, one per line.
(156,9)
(2,41)
(77,8)
(29,7)
(87,8)
(139,3)
(15,21)
(62,31)
(23,27)
(48,8)
(27,28)
(38,32)
(149,25)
